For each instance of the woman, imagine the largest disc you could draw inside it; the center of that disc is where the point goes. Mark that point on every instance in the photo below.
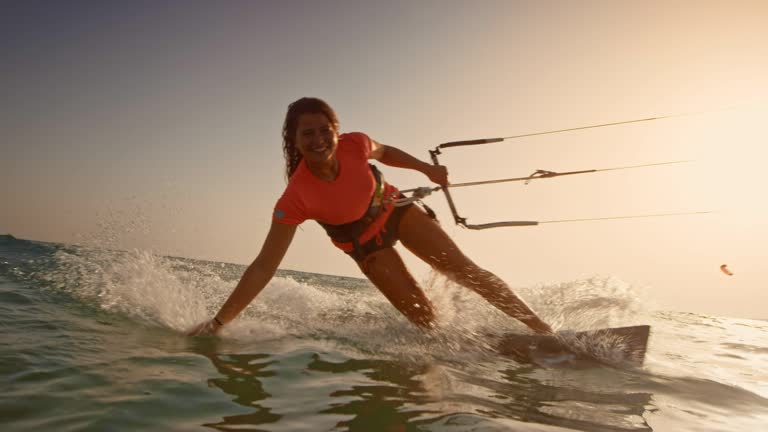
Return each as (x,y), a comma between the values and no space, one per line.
(331,182)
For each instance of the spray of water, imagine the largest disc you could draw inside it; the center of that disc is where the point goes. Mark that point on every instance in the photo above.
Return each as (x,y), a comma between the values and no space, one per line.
(177,293)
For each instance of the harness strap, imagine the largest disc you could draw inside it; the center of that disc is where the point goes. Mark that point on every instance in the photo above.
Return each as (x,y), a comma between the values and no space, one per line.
(415,198)
(351,232)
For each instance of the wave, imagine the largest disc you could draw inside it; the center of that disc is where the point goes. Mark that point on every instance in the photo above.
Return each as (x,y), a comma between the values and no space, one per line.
(176,293)
(137,301)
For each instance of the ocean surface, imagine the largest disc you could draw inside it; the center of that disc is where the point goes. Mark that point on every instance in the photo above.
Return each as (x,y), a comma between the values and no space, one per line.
(93,339)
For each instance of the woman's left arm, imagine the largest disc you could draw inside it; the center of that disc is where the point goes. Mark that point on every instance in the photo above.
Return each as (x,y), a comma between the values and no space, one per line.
(395,157)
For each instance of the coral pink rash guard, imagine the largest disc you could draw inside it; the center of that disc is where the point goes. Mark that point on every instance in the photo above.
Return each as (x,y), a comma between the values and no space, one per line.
(343,200)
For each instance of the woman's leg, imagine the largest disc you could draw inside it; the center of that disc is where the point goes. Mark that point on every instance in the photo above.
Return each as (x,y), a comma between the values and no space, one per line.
(424,237)
(388,273)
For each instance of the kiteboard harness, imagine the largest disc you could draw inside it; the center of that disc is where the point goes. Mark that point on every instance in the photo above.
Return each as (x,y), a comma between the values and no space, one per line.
(352,231)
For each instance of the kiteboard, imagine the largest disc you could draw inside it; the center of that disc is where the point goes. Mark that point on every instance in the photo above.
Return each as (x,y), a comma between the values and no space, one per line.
(615,346)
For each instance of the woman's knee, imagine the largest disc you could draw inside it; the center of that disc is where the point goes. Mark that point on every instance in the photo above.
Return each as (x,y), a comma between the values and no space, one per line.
(477,279)
(456,266)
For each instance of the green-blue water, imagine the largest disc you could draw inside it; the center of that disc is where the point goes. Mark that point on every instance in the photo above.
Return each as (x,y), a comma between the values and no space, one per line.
(92,339)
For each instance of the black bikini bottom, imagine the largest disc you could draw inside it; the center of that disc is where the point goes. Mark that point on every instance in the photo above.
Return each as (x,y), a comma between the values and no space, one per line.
(386,237)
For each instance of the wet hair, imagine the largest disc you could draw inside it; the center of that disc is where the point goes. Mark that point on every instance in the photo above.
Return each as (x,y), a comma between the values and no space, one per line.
(305,105)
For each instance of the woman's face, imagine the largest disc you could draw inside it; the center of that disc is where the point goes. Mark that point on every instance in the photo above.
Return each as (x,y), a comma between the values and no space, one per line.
(316,138)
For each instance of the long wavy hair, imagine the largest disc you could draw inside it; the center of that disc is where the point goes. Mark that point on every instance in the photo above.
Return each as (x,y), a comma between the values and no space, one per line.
(305,105)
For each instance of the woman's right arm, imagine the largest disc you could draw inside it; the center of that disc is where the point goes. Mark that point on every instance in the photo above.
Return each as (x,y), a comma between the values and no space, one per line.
(255,278)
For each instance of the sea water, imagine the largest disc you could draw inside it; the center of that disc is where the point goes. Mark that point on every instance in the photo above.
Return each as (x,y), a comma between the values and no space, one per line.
(93,339)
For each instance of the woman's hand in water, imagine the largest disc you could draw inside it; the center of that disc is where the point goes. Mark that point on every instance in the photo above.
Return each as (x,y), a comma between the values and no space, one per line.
(207,328)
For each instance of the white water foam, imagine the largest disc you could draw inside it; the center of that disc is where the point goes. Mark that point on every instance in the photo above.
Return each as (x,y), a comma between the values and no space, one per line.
(177,294)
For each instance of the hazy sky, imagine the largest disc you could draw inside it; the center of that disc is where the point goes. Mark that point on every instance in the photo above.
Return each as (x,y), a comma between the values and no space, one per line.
(156,124)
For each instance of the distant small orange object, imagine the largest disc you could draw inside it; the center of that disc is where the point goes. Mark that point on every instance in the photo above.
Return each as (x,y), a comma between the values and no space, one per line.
(724,269)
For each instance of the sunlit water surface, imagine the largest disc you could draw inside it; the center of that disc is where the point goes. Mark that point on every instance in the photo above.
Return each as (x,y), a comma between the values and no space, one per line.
(93,339)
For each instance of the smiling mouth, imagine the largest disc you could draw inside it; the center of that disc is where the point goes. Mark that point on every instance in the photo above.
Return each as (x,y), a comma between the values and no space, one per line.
(320,149)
